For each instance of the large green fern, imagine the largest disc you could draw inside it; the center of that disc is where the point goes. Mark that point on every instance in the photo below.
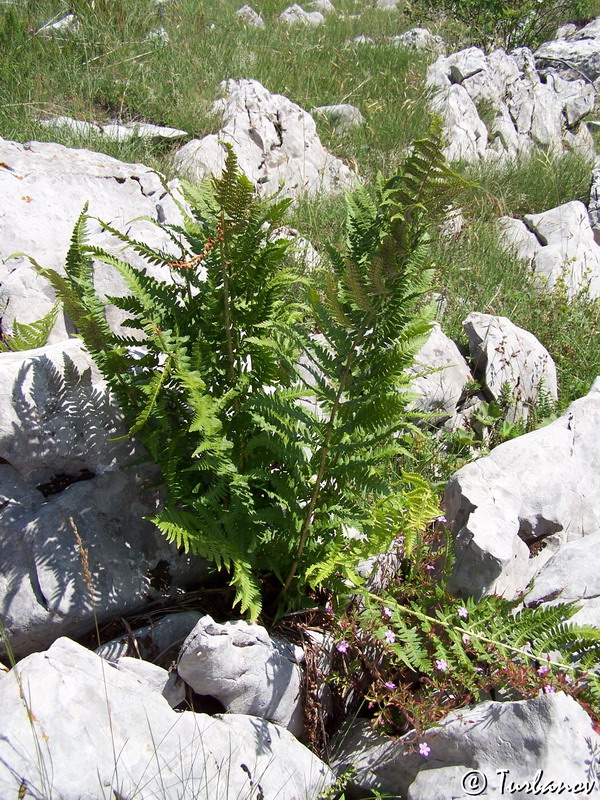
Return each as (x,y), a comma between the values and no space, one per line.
(271,474)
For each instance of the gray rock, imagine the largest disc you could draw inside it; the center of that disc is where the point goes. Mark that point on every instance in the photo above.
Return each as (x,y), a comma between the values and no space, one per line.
(44,187)
(153,641)
(142,130)
(506,355)
(250,16)
(56,415)
(594,204)
(343,116)
(387,5)
(516,237)
(76,126)
(543,485)
(156,678)
(66,25)
(569,249)
(443,374)
(115,736)
(324,6)
(296,15)
(275,141)
(420,39)
(43,591)
(551,733)
(245,669)
(571,575)
(520,110)
(575,57)
(464,130)
(566,31)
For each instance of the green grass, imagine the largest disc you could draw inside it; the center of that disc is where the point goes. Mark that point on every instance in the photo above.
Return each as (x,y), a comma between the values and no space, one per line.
(109,70)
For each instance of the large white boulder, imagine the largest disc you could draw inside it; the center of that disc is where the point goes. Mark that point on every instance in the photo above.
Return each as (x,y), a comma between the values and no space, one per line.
(441,375)
(504,355)
(544,485)
(43,189)
(559,244)
(74,727)
(482,751)
(572,575)
(574,55)
(244,668)
(275,142)
(504,108)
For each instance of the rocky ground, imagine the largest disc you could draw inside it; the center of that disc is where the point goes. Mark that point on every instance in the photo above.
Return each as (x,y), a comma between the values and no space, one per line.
(77,723)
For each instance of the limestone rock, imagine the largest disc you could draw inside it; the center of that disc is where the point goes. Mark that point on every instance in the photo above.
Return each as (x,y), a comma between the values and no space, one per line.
(505,742)
(594,204)
(516,237)
(43,189)
(573,54)
(57,416)
(506,355)
(505,90)
(156,678)
(76,126)
(245,669)
(571,575)
(275,141)
(324,6)
(115,736)
(66,25)
(569,250)
(442,375)
(420,39)
(544,485)
(43,591)
(250,16)
(343,116)
(296,15)
(153,641)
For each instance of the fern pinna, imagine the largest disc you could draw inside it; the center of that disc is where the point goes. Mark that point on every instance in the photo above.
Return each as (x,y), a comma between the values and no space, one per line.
(274,472)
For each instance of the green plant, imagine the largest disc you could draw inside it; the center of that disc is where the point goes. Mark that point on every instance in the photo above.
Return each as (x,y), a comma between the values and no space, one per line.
(515,23)
(287,495)
(415,652)
(28,337)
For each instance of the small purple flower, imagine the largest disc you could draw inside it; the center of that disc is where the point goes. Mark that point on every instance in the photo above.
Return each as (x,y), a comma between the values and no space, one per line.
(462,612)
(390,636)
(568,679)
(387,612)
(390,685)
(342,647)
(543,670)
(429,567)
(441,519)
(424,749)
(549,689)
(441,665)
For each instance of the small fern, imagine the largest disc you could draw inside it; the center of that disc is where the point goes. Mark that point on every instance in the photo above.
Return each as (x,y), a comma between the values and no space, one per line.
(29,336)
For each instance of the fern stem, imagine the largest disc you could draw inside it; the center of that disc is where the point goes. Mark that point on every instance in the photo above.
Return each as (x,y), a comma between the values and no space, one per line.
(304,531)
(226,302)
(468,632)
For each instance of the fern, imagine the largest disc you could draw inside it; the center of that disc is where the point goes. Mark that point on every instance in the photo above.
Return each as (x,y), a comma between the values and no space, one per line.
(29,336)
(259,481)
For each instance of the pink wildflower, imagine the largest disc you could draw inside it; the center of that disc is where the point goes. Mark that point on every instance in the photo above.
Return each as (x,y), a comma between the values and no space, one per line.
(342,647)
(390,636)
(390,685)
(543,670)
(549,689)
(441,664)
(424,749)
(462,612)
